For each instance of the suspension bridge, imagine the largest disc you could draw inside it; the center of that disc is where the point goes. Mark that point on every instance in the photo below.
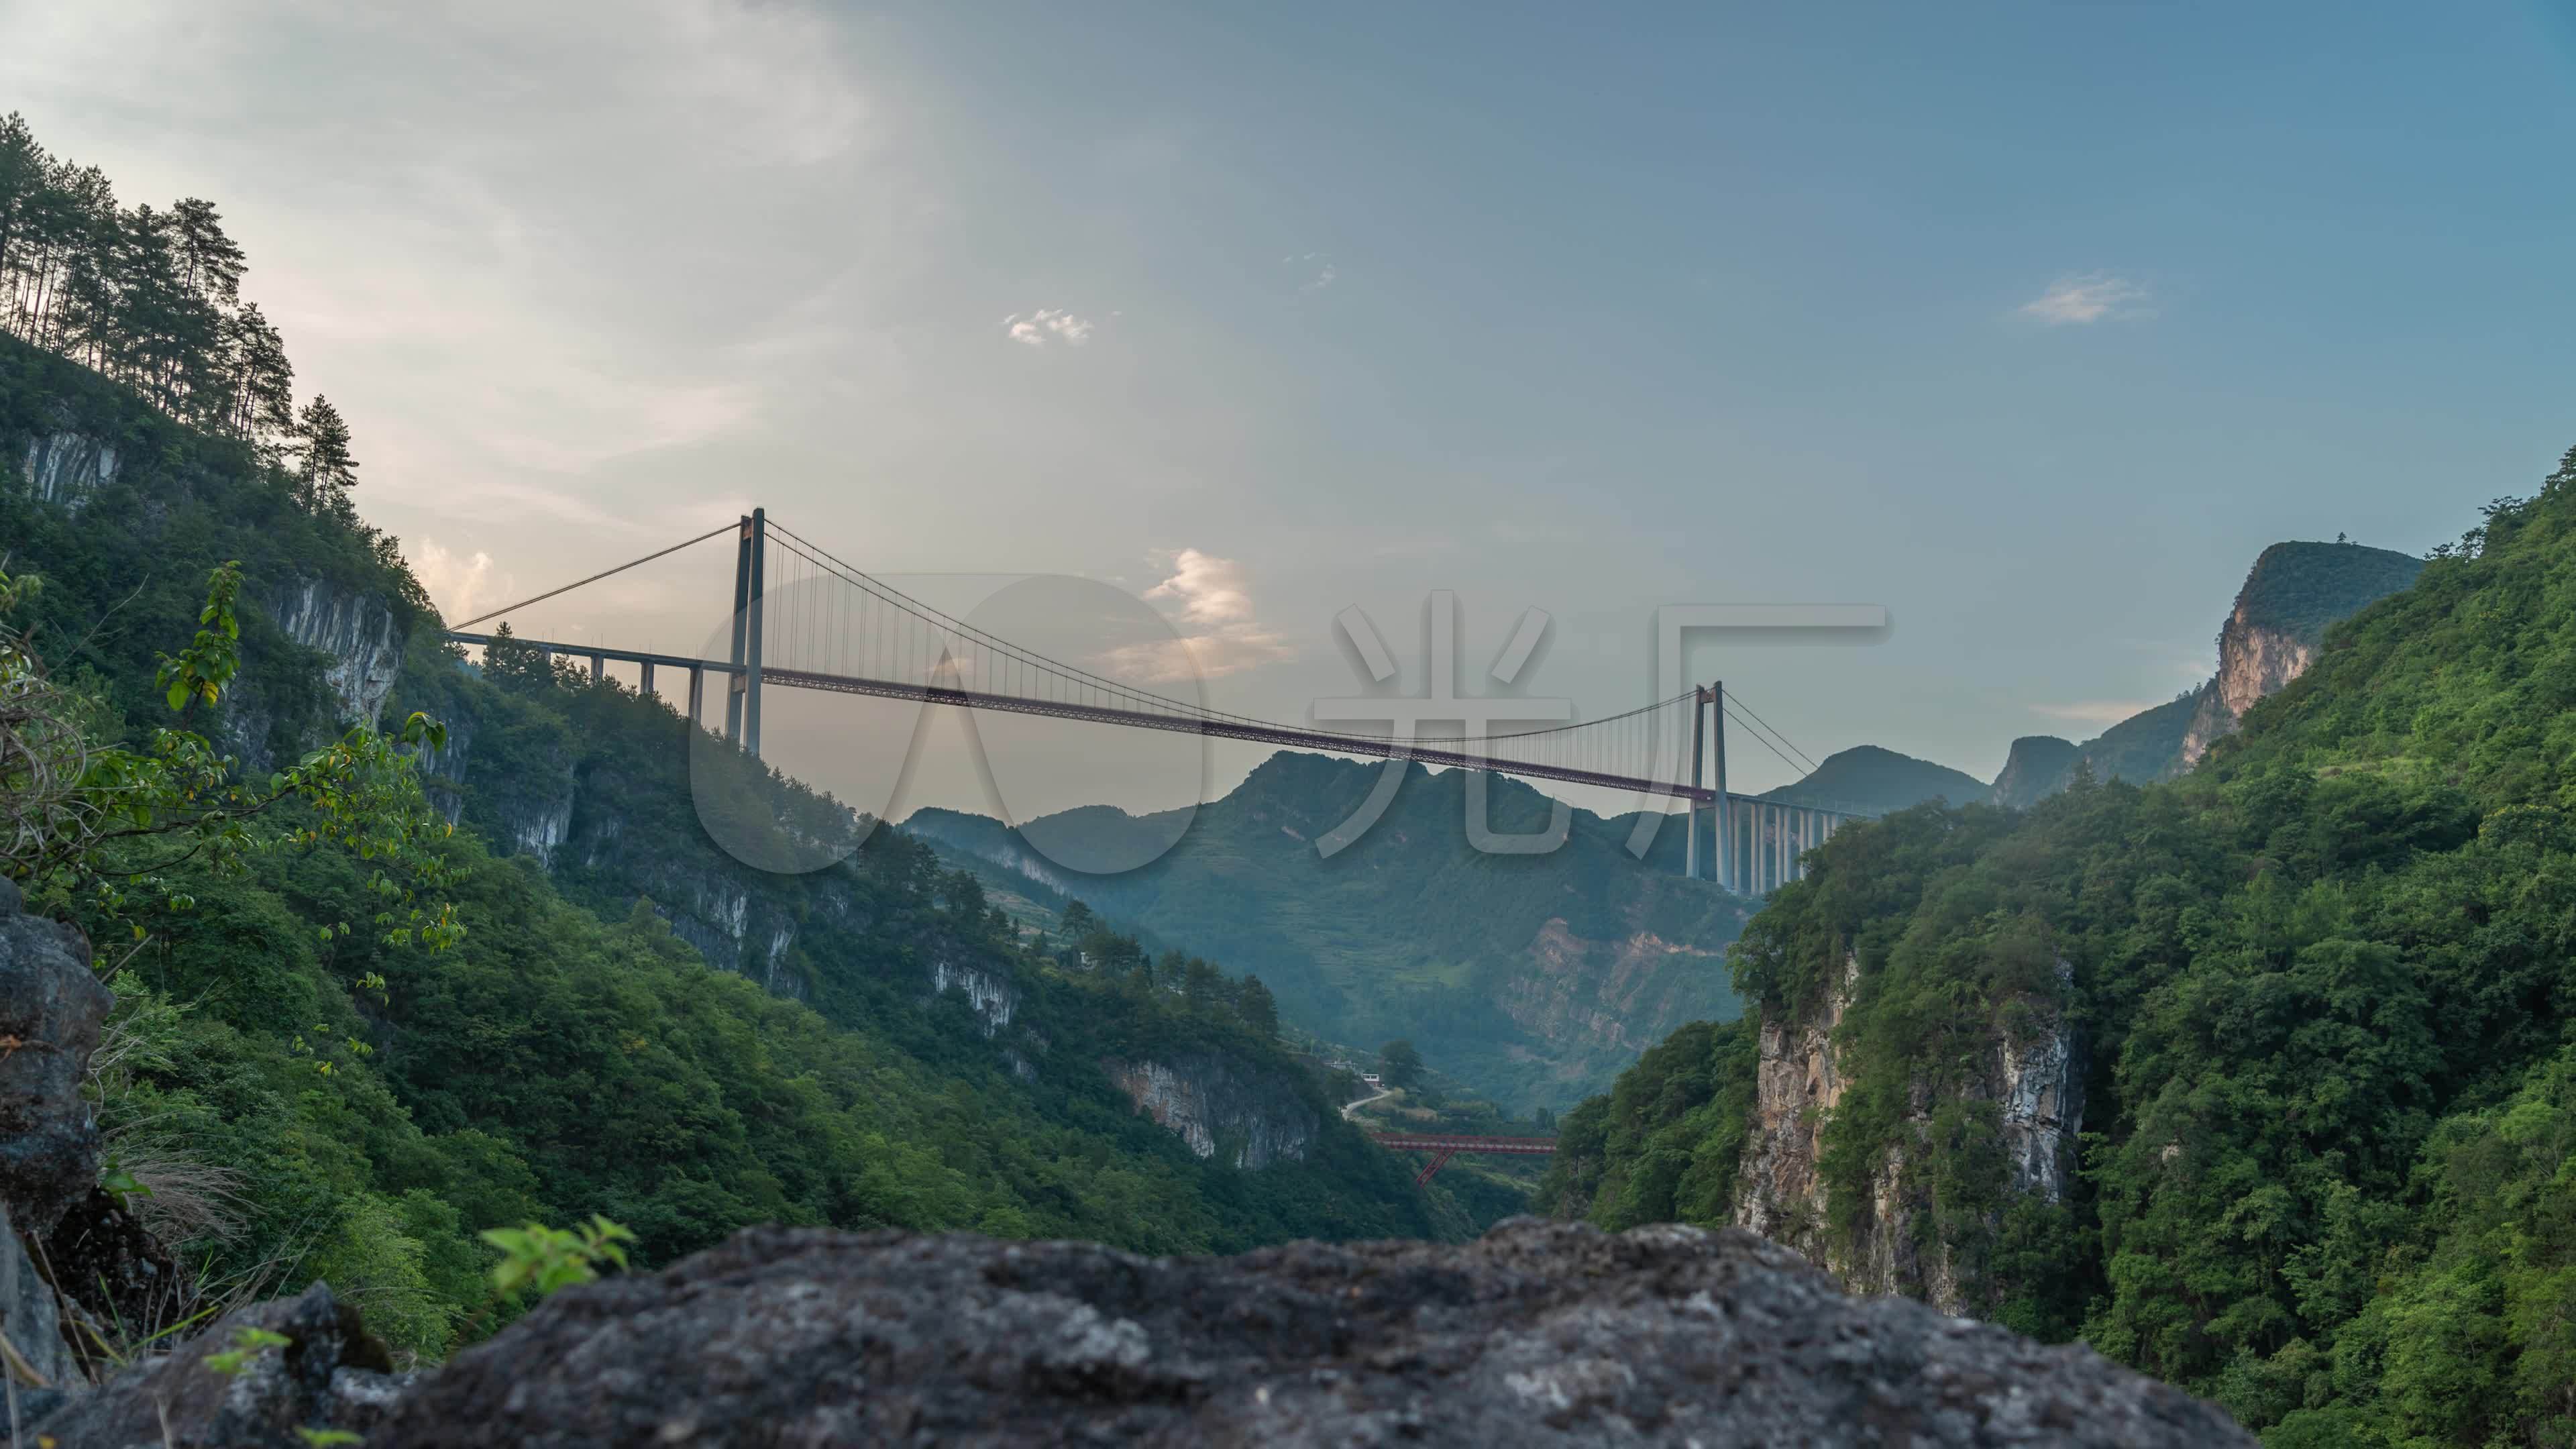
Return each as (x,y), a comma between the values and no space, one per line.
(840,630)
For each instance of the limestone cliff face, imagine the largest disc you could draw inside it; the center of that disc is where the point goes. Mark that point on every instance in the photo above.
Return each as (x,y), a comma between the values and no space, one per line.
(2033,1084)
(355,630)
(2254,660)
(2292,595)
(1214,1105)
(993,997)
(66,468)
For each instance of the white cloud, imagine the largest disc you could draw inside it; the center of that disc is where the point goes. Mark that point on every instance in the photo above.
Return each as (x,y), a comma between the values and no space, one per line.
(2091,297)
(461,586)
(1221,636)
(1209,590)
(2103,712)
(1318,269)
(1047,324)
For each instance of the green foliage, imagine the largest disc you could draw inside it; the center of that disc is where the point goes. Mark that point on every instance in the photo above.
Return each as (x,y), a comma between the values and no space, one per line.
(2326,986)
(149,297)
(96,824)
(1399,1065)
(1664,1144)
(545,1259)
(248,1344)
(573,1054)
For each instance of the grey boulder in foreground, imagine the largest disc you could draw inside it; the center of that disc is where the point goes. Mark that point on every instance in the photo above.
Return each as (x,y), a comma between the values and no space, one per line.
(1539,1334)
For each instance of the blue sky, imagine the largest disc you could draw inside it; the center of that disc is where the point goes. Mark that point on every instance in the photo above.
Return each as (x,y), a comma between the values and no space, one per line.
(2033,324)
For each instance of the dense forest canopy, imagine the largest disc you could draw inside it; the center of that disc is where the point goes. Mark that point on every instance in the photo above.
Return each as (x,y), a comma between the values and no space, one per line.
(2327,982)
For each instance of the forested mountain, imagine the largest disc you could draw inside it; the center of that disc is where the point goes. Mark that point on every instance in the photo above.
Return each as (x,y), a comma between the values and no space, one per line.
(1868,780)
(2290,596)
(631,1022)
(2259,1079)
(1532,978)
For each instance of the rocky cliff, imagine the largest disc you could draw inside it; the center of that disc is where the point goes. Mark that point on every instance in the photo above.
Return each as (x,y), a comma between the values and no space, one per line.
(356,632)
(2271,637)
(2027,1090)
(1220,1109)
(1537,1334)
(66,468)
(2291,596)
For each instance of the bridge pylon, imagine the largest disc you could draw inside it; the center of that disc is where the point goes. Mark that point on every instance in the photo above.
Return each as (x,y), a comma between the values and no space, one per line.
(1706,842)
(750,579)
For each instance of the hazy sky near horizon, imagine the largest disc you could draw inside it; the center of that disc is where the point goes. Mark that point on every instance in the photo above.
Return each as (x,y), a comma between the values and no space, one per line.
(2033,324)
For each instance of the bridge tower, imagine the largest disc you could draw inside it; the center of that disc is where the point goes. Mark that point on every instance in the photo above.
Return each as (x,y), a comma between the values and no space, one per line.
(1710,836)
(750,578)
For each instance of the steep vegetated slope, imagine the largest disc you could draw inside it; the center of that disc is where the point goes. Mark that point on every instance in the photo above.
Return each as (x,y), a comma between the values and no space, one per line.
(1532,978)
(633,1024)
(2259,1080)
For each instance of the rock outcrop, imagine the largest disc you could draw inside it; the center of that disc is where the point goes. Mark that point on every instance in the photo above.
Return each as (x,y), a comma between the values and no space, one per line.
(2030,1085)
(330,1374)
(1212,1104)
(356,631)
(2294,592)
(51,1009)
(1538,1334)
(2038,767)
(66,468)
(2272,635)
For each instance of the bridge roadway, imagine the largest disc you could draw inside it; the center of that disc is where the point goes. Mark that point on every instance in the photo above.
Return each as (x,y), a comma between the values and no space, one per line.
(1443,1146)
(1223,728)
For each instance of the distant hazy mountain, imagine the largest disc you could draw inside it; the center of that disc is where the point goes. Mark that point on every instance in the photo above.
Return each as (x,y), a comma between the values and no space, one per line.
(1872,781)
(1534,978)
(2038,767)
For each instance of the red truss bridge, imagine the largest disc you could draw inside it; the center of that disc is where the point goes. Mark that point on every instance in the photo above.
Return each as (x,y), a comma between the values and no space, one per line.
(839,630)
(1443,1147)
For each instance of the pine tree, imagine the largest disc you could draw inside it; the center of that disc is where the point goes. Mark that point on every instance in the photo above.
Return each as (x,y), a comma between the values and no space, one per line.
(1201,985)
(325,471)
(1252,1002)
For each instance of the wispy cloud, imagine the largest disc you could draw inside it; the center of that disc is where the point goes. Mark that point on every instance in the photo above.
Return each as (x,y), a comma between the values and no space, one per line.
(1045,325)
(1220,634)
(2103,712)
(2092,297)
(1317,268)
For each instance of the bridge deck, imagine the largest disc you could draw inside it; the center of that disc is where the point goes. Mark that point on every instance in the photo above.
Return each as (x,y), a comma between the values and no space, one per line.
(1419,1142)
(1222,728)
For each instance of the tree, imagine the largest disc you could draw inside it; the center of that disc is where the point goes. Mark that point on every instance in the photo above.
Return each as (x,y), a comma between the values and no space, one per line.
(1201,986)
(964,896)
(1399,1065)
(1076,922)
(1252,1002)
(92,826)
(325,470)
(516,665)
